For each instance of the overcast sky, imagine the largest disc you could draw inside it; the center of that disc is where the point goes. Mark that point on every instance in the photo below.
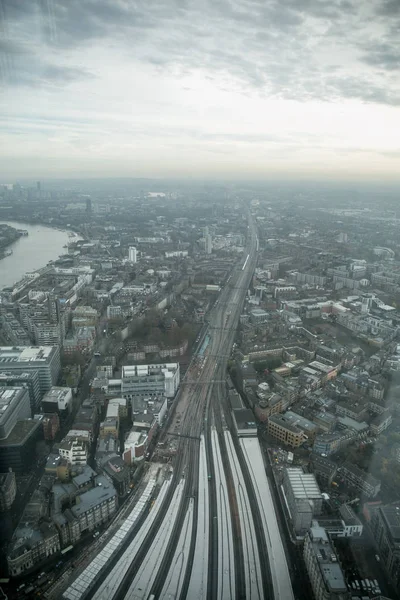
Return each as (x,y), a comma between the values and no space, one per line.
(219,88)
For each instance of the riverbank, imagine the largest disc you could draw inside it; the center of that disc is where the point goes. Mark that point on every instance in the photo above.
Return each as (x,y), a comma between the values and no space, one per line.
(8,235)
(31,252)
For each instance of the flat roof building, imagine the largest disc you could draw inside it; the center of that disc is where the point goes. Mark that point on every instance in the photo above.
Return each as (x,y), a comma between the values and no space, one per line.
(18,450)
(28,379)
(245,423)
(118,471)
(258,316)
(360,480)
(57,399)
(74,451)
(385,525)
(324,571)
(8,490)
(285,432)
(309,428)
(150,381)
(303,497)
(14,406)
(44,359)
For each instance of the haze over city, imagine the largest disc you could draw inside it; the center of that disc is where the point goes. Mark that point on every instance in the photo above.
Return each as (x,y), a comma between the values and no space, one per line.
(301,89)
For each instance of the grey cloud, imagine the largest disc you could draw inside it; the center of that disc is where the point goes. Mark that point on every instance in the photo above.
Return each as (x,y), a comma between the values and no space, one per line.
(388,8)
(362,89)
(12,47)
(266,45)
(385,56)
(18,67)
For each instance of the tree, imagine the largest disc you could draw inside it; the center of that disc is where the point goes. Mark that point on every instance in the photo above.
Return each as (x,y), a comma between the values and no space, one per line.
(393,438)
(73,358)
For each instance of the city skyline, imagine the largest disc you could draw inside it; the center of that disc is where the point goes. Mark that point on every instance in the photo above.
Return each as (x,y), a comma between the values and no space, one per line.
(222,89)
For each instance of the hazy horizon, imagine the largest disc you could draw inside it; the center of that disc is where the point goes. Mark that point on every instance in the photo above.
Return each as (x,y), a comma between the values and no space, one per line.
(304,90)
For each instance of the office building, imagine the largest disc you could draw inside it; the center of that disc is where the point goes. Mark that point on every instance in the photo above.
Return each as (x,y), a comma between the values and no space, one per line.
(208,244)
(310,429)
(323,568)
(96,501)
(121,405)
(12,330)
(385,525)
(87,419)
(156,381)
(43,359)
(96,506)
(285,432)
(245,424)
(132,257)
(18,450)
(380,423)
(57,400)
(106,448)
(323,468)
(8,490)
(51,425)
(14,406)
(113,312)
(135,447)
(118,472)
(258,316)
(47,334)
(32,546)
(303,498)
(361,481)
(74,451)
(26,379)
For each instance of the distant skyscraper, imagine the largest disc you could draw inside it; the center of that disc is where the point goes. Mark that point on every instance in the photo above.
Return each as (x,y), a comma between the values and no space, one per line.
(38,186)
(89,205)
(132,254)
(208,243)
(342,238)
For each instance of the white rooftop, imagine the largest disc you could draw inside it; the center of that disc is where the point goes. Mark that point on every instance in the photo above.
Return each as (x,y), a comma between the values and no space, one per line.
(25,353)
(304,485)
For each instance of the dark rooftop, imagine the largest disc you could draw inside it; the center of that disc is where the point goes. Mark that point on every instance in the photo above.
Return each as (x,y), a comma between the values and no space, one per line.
(391,517)
(20,432)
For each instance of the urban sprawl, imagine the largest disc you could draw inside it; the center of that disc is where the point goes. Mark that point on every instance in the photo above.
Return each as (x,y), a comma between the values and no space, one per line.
(200,397)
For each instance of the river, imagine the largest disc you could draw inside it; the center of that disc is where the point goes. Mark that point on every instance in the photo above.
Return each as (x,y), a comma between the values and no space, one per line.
(31,252)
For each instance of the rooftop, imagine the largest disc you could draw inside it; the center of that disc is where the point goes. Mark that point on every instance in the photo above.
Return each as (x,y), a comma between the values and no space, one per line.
(103,491)
(280,420)
(244,418)
(56,394)
(21,374)
(350,423)
(20,432)
(327,561)
(84,477)
(304,485)
(357,472)
(8,396)
(142,370)
(12,354)
(300,421)
(116,468)
(348,515)
(391,517)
